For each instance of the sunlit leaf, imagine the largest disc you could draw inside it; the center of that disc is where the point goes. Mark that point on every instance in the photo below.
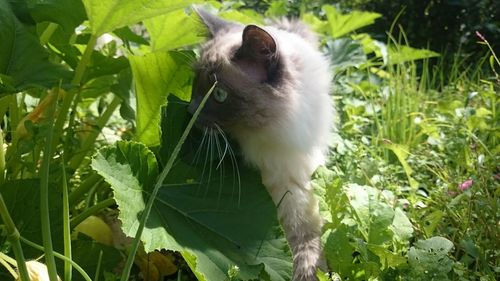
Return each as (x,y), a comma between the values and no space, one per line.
(107,15)
(156,75)
(401,226)
(316,24)
(401,153)
(339,250)
(388,259)
(373,215)
(344,53)
(173,30)
(403,53)
(341,24)
(428,259)
(192,217)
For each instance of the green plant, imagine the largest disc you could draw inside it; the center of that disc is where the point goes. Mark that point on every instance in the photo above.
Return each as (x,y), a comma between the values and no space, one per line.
(93,103)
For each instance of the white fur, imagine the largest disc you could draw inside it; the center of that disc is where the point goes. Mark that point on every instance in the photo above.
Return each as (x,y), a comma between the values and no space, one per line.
(289,150)
(291,147)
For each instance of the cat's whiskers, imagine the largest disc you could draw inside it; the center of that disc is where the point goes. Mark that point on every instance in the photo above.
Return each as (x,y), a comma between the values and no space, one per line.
(219,167)
(234,162)
(206,135)
(221,133)
(199,149)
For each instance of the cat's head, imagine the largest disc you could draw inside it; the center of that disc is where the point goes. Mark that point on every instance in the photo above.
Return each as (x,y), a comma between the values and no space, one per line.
(245,61)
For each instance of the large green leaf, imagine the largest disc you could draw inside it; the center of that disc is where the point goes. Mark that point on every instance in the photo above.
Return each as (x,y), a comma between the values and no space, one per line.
(107,15)
(372,215)
(341,24)
(199,216)
(401,53)
(344,53)
(23,202)
(156,75)
(86,254)
(429,260)
(173,30)
(24,62)
(67,13)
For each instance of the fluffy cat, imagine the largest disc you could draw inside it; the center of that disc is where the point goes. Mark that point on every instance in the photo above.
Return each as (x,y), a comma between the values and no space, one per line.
(272,96)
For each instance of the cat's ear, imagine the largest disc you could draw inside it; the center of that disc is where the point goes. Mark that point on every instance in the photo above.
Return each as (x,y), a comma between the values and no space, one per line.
(257,43)
(258,54)
(212,22)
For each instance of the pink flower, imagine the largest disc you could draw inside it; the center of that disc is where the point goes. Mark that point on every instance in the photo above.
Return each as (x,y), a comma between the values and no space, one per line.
(465,185)
(480,36)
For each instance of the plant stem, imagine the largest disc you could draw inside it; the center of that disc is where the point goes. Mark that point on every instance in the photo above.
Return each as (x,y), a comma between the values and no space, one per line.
(159,182)
(8,262)
(2,158)
(98,269)
(14,238)
(47,33)
(85,186)
(70,95)
(44,197)
(88,143)
(91,211)
(59,256)
(66,226)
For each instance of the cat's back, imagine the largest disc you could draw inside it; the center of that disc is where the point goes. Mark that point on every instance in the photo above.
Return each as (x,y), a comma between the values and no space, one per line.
(296,27)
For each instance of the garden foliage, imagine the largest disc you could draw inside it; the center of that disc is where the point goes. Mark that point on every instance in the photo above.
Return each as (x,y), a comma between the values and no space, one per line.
(93,98)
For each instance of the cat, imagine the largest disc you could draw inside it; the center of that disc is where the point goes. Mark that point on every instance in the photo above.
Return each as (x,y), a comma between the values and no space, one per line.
(272,97)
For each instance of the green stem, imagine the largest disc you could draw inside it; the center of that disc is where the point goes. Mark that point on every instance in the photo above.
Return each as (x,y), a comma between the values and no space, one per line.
(8,263)
(159,182)
(83,188)
(44,198)
(12,156)
(2,159)
(89,142)
(14,239)
(66,226)
(91,211)
(47,33)
(61,257)
(70,95)
(84,61)
(98,269)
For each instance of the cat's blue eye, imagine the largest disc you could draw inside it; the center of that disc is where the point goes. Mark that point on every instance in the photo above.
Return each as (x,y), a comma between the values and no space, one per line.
(220,95)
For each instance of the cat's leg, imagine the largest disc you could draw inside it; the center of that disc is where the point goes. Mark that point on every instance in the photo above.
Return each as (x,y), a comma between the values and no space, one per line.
(298,212)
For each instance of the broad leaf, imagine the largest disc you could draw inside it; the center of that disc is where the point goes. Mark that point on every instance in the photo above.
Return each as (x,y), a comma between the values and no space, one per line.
(401,226)
(429,260)
(67,13)
(173,30)
(86,253)
(107,15)
(24,62)
(156,75)
(372,215)
(339,250)
(344,53)
(130,168)
(401,152)
(341,24)
(23,203)
(403,53)
(201,217)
